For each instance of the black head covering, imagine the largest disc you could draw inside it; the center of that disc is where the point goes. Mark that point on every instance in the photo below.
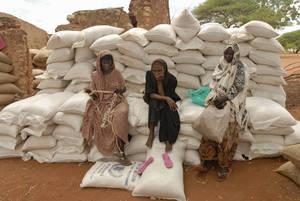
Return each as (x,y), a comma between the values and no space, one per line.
(169,83)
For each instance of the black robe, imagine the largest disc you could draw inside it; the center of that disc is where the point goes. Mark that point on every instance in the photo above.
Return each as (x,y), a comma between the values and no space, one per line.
(160,110)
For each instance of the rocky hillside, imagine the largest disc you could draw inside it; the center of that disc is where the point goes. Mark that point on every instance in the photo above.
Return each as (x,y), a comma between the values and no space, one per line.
(37,38)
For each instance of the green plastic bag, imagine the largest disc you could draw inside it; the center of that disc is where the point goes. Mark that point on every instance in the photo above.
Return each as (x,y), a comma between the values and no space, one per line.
(198,96)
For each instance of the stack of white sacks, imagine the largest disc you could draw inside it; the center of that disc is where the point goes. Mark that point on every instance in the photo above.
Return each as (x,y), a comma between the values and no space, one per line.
(59,62)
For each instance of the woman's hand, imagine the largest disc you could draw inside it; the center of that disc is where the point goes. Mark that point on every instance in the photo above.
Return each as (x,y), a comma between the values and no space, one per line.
(171,104)
(220,102)
(86,90)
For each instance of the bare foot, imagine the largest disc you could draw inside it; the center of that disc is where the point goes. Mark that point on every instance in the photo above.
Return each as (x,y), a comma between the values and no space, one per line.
(149,142)
(169,147)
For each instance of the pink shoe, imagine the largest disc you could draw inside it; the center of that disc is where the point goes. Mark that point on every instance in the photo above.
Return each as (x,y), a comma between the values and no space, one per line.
(167,160)
(143,167)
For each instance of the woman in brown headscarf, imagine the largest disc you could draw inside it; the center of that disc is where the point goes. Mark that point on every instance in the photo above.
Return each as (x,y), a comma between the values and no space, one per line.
(105,122)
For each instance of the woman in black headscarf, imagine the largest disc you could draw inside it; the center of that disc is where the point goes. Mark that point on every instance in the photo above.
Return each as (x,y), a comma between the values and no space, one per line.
(161,97)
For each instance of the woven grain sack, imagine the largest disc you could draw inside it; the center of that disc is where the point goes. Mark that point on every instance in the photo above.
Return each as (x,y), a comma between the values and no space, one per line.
(213,49)
(50,91)
(136,35)
(72,120)
(44,142)
(132,62)
(138,111)
(270,70)
(239,35)
(40,60)
(7,78)
(213,122)
(111,175)
(75,104)
(248,62)
(6,99)
(10,143)
(206,79)
(191,142)
(134,88)
(269,79)
(9,89)
(67,133)
(292,153)
(108,42)
(119,67)
(186,25)
(188,81)
(65,148)
(137,145)
(134,76)
(261,117)
(190,69)
(63,39)
(163,33)
(43,109)
(294,138)
(161,49)
(187,129)
(36,72)
(274,131)
(194,44)
(78,87)
(39,131)
(246,136)
(191,158)
(213,32)
(61,55)
(244,49)
(260,29)
(51,83)
(189,111)
(10,130)
(4,58)
(290,171)
(80,71)
(131,49)
(189,57)
(269,45)
(69,158)
(91,34)
(149,59)
(58,70)
(6,153)
(41,156)
(266,58)
(138,157)
(83,54)
(275,96)
(6,68)
(211,62)
(171,186)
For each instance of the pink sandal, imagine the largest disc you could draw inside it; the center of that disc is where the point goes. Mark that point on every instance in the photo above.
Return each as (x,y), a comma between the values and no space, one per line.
(167,160)
(143,167)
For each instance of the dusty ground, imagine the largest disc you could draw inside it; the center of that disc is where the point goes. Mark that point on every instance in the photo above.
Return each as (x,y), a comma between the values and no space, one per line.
(30,181)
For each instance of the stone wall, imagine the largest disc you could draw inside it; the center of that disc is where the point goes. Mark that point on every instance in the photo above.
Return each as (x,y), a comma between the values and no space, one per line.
(148,13)
(87,18)
(17,50)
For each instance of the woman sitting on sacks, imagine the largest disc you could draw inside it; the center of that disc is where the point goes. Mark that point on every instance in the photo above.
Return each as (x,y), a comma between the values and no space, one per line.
(229,86)
(105,121)
(163,116)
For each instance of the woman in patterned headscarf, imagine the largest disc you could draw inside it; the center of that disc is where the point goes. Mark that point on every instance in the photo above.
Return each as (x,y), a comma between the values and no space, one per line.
(230,85)
(105,122)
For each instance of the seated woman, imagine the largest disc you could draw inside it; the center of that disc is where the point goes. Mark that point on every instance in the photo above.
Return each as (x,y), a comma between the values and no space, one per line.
(161,97)
(230,81)
(105,122)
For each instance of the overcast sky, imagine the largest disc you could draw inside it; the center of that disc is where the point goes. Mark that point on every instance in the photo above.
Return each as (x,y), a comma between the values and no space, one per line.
(47,14)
